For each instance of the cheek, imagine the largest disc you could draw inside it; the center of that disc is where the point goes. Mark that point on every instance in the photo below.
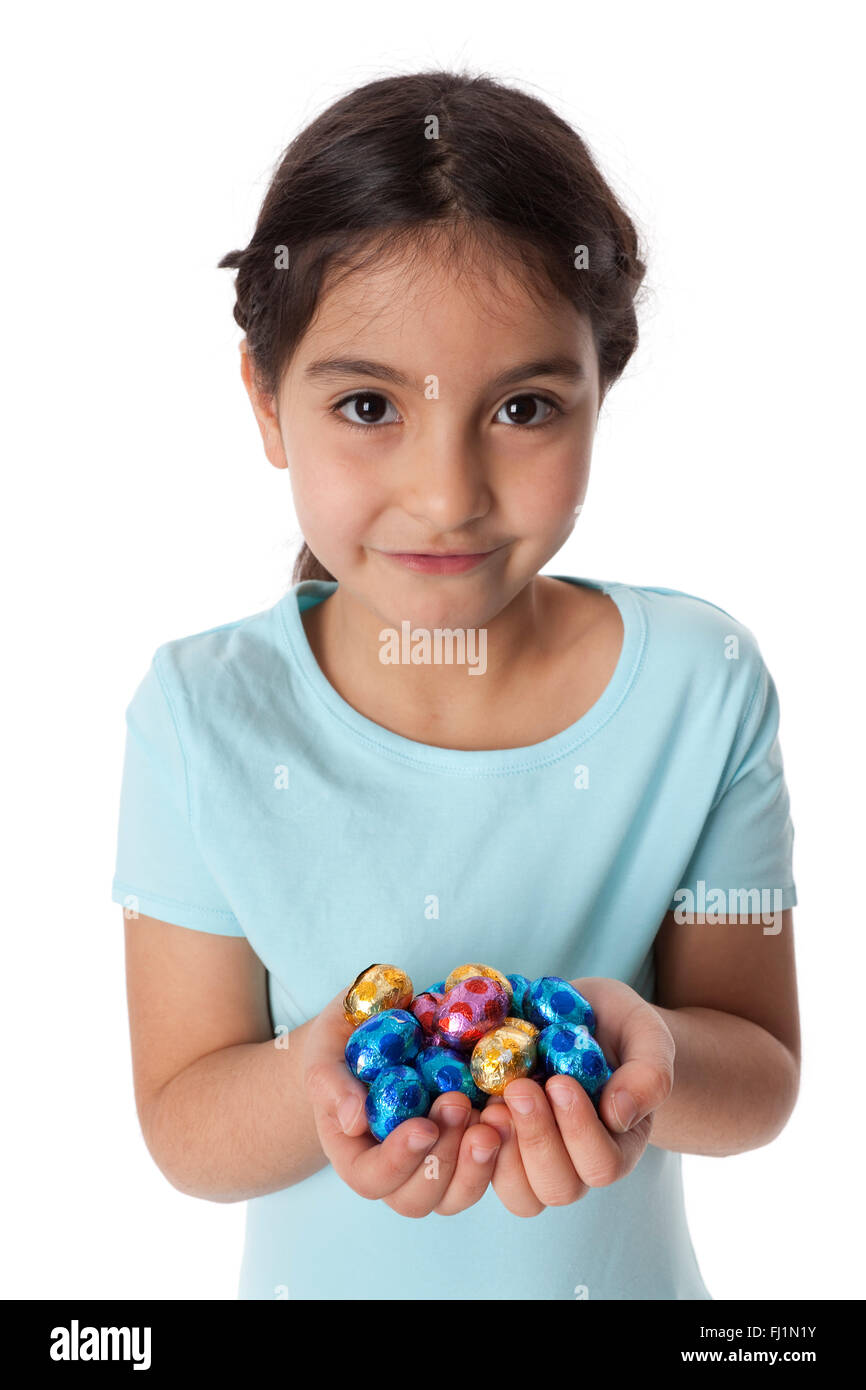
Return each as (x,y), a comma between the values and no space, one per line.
(334,500)
(550,489)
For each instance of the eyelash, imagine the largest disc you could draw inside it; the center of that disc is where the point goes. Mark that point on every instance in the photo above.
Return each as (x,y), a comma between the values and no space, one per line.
(369,429)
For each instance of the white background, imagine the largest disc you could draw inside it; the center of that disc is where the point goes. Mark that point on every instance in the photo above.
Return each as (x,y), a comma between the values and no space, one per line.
(140,507)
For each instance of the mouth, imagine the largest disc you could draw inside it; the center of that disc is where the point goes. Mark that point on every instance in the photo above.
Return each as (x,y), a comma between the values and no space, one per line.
(439,562)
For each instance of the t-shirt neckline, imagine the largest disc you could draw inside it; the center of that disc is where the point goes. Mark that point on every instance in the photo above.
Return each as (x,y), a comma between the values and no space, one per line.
(469,762)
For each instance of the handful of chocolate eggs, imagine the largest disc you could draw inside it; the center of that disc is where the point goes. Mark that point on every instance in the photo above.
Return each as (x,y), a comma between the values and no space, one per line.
(473,1032)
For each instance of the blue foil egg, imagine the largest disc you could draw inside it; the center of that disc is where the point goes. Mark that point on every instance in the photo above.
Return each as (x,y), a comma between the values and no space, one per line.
(551,999)
(519,987)
(574,1052)
(442,1069)
(438,988)
(392,1038)
(397,1094)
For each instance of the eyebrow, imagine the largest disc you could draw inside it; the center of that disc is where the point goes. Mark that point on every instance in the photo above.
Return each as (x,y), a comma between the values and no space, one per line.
(326,368)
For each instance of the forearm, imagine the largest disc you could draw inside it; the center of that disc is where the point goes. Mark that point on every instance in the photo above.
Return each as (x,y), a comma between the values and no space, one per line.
(735,1085)
(237,1123)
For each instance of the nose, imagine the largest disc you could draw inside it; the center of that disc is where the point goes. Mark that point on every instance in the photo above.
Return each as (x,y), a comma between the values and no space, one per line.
(446,485)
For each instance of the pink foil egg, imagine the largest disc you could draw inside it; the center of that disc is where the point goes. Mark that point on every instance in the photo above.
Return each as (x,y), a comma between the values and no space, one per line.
(425,1007)
(470,1010)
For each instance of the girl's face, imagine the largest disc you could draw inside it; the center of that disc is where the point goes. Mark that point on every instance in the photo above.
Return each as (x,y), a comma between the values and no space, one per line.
(424,414)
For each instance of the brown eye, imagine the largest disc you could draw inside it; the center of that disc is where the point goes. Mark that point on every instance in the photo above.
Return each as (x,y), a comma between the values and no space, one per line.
(368,408)
(522,410)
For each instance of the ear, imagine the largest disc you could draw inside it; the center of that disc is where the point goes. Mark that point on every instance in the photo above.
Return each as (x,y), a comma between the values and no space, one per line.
(264,409)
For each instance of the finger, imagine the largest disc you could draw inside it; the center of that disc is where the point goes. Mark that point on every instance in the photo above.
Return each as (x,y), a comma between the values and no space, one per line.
(475,1164)
(645,1077)
(553,1176)
(509,1179)
(629,1029)
(372,1169)
(338,1099)
(425,1188)
(327,1078)
(597,1156)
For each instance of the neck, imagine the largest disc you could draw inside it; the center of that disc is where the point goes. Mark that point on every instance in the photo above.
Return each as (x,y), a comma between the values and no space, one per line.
(399,674)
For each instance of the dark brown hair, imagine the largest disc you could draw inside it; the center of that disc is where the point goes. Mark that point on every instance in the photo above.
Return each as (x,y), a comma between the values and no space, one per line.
(366,179)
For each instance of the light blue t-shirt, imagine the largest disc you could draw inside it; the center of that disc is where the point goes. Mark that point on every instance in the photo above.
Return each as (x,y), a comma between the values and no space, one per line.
(257,802)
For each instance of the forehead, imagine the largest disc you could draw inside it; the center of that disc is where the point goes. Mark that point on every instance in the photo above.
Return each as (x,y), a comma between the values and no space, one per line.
(432,297)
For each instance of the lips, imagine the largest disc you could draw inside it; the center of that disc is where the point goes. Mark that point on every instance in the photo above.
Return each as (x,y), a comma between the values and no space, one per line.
(455,563)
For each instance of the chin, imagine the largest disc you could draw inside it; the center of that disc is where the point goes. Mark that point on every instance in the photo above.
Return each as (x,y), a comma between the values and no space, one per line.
(450,605)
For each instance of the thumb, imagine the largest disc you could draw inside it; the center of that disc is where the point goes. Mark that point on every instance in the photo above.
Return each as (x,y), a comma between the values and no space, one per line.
(336,1095)
(645,1078)
(350,1112)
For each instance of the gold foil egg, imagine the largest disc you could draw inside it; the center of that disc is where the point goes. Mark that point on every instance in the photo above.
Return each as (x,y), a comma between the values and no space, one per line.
(466,972)
(377,988)
(505,1054)
(523,1024)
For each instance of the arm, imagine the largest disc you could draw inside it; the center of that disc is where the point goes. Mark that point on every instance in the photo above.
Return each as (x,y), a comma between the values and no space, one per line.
(728,993)
(228,1114)
(713,1066)
(222,1108)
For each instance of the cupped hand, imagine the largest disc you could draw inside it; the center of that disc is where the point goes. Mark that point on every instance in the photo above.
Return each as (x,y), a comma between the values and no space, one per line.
(555,1145)
(442,1163)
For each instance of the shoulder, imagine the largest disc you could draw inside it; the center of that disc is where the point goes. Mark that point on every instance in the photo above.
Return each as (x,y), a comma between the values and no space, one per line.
(231,655)
(700,659)
(695,630)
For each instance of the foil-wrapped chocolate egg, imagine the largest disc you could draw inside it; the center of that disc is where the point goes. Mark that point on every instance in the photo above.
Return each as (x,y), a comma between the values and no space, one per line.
(512,1021)
(553,1000)
(377,988)
(438,988)
(396,1095)
(425,1007)
(504,1054)
(487,972)
(470,1010)
(442,1069)
(519,988)
(573,1051)
(389,1039)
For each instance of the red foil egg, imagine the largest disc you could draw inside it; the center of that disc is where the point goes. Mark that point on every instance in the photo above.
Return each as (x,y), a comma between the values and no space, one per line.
(425,1007)
(470,1010)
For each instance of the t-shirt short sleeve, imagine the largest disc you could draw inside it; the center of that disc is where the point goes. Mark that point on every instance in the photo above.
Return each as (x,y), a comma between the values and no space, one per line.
(159,869)
(745,848)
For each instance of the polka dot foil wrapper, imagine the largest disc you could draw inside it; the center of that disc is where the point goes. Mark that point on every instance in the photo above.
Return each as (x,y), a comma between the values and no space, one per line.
(470,1010)
(425,1007)
(442,1070)
(519,990)
(389,1039)
(502,1055)
(397,1094)
(468,972)
(486,1030)
(377,988)
(574,1052)
(524,1025)
(551,999)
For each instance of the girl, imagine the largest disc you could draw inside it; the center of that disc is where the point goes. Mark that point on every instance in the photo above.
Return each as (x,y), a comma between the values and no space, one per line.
(438,294)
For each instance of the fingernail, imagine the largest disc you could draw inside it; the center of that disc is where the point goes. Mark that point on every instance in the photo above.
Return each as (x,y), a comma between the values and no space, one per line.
(453,1115)
(482,1155)
(418,1141)
(524,1105)
(348,1111)
(561,1097)
(625,1109)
